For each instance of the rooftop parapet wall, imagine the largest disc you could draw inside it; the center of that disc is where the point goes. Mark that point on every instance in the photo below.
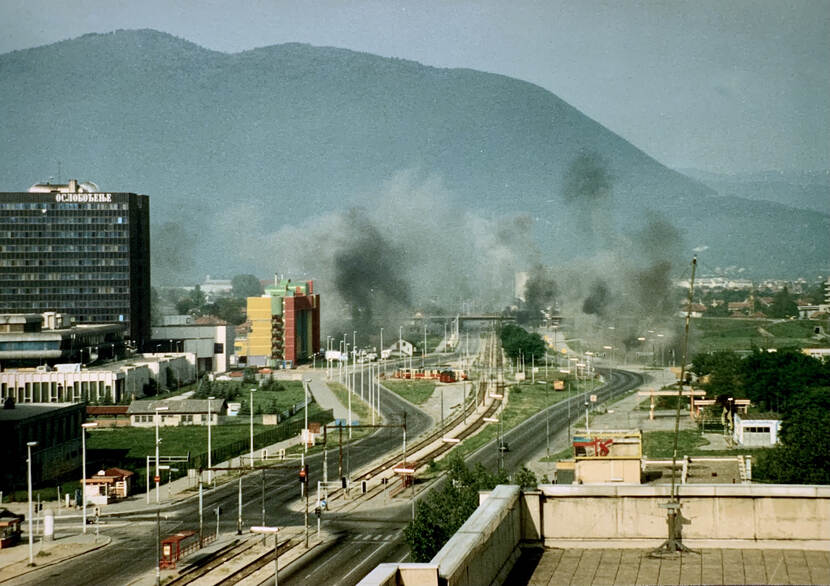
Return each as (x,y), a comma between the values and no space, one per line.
(484,549)
(781,513)
(486,544)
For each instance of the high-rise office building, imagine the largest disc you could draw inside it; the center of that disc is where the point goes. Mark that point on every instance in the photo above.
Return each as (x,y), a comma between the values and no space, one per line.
(74,249)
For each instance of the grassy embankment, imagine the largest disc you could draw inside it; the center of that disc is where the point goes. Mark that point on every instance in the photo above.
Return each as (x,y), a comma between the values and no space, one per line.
(360,410)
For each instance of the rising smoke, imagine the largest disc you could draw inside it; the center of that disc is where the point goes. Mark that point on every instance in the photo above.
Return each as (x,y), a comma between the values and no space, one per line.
(368,271)
(541,291)
(408,246)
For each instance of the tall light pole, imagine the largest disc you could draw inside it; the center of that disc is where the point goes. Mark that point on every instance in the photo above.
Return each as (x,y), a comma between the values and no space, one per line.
(251,409)
(157,478)
(29,446)
(306,382)
(210,458)
(611,375)
(84,427)
(381,348)
(424,350)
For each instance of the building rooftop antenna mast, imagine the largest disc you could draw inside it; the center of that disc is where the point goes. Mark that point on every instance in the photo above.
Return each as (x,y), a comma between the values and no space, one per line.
(674,520)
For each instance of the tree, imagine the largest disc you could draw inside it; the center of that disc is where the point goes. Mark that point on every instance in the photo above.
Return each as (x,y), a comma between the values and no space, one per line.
(193,302)
(227,309)
(243,286)
(518,342)
(772,378)
(804,454)
(440,515)
(723,369)
(525,478)
(783,305)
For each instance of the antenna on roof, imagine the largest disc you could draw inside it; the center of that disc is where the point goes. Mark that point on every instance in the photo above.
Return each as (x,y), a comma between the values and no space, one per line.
(674,519)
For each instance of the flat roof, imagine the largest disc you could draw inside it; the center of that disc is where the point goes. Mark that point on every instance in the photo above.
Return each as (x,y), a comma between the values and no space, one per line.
(26,410)
(607,566)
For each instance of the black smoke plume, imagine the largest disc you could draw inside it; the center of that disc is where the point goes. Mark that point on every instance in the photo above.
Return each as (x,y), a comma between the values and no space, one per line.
(587,180)
(368,271)
(597,300)
(540,291)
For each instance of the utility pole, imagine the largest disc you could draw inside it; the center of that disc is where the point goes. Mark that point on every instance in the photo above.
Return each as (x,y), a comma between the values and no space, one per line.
(201,511)
(340,452)
(158,548)
(239,509)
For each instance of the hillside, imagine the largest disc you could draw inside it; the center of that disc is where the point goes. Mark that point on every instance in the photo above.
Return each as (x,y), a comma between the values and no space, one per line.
(232,146)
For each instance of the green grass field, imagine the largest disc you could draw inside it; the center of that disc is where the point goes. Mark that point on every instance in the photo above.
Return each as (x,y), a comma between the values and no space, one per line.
(712,334)
(414,391)
(276,401)
(176,441)
(360,409)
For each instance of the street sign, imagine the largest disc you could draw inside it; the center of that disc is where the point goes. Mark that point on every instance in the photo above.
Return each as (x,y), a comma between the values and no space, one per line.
(156,478)
(593,398)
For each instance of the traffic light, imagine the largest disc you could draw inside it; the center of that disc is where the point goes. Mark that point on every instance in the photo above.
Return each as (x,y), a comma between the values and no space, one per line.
(304,474)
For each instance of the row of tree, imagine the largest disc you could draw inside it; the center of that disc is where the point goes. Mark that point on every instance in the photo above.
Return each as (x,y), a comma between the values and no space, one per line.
(768,379)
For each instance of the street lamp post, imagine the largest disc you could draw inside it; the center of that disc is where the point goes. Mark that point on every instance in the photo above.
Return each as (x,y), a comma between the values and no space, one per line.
(29,446)
(306,382)
(158,441)
(587,429)
(611,375)
(210,460)
(251,410)
(84,427)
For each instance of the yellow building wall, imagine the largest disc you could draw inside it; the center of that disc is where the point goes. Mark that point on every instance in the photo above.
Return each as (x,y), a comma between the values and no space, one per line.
(240,347)
(259,314)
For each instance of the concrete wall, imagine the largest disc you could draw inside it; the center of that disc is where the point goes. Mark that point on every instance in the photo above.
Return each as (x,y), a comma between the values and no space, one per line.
(481,552)
(714,512)
(488,540)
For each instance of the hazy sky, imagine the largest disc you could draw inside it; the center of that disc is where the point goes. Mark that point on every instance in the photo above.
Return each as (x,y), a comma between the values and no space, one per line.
(725,86)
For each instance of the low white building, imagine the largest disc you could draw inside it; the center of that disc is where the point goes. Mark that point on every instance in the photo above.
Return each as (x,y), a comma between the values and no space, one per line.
(756,432)
(399,348)
(113,381)
(176,412)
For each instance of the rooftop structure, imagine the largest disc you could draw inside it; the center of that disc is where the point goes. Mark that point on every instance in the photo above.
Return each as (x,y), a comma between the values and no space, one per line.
(50,338)
(55,427)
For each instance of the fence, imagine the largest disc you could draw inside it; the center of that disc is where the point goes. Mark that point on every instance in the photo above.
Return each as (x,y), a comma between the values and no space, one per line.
(281,432)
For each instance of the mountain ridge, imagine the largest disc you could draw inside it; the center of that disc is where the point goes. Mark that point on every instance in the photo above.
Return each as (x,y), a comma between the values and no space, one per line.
(293,130)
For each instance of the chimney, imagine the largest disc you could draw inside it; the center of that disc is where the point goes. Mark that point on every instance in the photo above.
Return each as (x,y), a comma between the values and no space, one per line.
(73,186)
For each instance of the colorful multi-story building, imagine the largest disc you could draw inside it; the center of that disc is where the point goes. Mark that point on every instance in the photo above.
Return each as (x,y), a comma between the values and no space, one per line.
(285,326)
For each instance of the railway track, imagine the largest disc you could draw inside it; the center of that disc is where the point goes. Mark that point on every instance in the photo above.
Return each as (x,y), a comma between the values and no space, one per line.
(492,384)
